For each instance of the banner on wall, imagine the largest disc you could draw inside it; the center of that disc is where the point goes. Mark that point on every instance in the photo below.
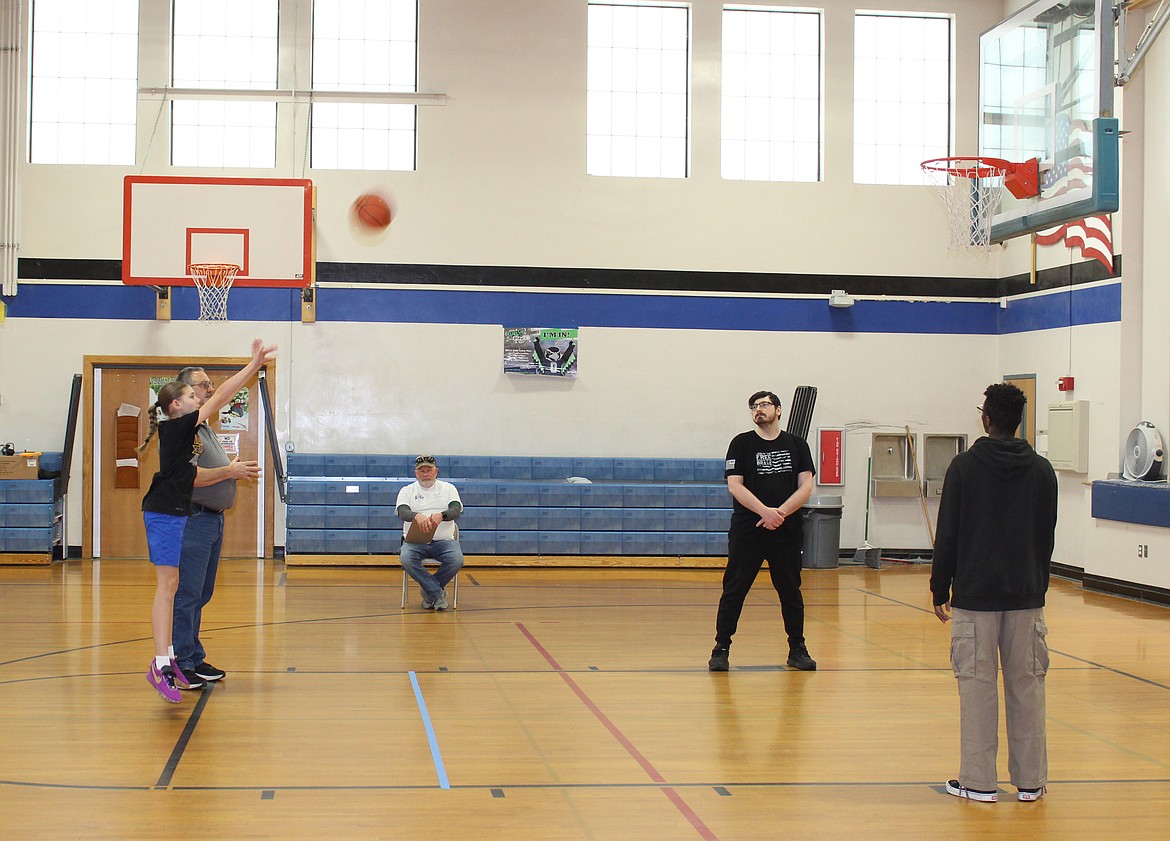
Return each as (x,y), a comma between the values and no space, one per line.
(551,351)
(831,456)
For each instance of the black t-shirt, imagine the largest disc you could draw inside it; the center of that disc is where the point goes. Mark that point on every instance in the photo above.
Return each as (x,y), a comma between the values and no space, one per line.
(770,470)
(178,450)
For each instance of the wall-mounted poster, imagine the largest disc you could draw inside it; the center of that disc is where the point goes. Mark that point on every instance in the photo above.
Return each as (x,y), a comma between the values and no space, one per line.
(551,351)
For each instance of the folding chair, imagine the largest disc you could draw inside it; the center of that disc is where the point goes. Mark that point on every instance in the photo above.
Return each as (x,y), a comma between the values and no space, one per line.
(454,582)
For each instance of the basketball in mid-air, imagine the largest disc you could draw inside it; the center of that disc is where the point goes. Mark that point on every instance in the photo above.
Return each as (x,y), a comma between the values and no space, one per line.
(372,211)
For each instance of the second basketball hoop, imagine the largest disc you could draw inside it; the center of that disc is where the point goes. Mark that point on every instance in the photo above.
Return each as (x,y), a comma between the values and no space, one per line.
(214,282)
(972,189)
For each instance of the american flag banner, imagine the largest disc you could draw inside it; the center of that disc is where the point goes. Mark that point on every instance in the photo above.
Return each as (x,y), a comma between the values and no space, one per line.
(1093,235)
(1073,169)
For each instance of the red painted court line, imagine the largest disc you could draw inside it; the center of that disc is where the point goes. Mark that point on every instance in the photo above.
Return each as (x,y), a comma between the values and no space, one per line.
(672,795)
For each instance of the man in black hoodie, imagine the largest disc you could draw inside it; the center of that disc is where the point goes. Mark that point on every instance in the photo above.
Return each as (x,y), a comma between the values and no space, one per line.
(996,527)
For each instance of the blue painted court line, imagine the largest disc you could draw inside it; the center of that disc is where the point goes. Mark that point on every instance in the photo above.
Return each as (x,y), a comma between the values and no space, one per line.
(440,771)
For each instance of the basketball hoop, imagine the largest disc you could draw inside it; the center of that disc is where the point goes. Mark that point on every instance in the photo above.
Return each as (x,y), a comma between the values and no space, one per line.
(214,281)
(972,189)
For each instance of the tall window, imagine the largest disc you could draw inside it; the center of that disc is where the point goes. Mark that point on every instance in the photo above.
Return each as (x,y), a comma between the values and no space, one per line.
(1014,126)
(902,96)
(364,45)
(222,44)
(84,82)
(638,89)
(771,95)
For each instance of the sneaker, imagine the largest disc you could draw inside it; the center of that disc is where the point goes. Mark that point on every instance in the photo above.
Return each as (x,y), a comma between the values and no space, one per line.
(1030,794)
(441,602)
(954,787)
(209,672)
(163,682)
(428,602)
(180,678)
(799,659)
(718,661)
(193,680)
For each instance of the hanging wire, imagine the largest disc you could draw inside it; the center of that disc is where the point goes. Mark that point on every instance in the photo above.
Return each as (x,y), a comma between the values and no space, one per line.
(150,142)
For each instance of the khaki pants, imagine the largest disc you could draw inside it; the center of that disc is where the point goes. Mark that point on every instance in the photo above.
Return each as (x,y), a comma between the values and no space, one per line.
(981,641)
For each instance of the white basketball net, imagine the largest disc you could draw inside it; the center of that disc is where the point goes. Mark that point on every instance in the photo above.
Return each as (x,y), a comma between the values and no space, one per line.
(972,190)
(214,281)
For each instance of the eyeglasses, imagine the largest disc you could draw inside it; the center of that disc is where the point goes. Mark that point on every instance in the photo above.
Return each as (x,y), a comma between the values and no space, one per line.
(204,384)
(763,404)
(982,411)
(424,461)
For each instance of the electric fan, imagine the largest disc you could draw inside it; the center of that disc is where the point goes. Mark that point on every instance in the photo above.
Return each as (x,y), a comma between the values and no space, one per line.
(1143,453)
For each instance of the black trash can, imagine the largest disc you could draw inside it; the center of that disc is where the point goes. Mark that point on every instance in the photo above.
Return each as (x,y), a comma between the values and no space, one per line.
(822,532)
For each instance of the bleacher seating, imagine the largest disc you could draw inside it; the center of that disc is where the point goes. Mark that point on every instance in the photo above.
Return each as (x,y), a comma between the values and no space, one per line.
(31,514)
(342,504)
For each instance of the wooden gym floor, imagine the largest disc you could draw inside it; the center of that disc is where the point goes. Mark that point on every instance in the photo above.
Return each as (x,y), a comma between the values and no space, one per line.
(553,704)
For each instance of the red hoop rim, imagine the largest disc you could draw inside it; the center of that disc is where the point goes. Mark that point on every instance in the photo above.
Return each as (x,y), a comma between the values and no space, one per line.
(203,268)
(972,166)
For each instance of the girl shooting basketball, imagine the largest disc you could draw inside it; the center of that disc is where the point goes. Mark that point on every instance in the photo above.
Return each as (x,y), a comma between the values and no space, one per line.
(167,503)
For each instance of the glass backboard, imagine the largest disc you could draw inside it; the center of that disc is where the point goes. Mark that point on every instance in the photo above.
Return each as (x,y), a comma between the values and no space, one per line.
(1046,92)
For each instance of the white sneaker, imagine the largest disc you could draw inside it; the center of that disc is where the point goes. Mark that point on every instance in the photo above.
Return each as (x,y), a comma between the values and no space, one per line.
(1030,794)
(441,602)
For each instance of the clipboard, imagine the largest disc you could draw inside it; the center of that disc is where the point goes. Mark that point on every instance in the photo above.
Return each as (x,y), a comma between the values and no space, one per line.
(415,534)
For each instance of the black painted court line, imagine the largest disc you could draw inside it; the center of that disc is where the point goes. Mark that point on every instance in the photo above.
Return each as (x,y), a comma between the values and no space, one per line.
(493,787)
(164,780)
(1092,663)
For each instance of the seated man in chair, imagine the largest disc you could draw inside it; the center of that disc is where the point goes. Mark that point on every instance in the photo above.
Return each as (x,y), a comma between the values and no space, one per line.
(428,509)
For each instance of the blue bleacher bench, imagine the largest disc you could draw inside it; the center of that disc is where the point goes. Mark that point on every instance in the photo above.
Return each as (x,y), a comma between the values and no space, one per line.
(342,503)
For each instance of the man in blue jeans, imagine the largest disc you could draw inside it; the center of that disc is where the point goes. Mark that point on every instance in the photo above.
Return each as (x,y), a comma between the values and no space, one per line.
(215,493)
(428,509)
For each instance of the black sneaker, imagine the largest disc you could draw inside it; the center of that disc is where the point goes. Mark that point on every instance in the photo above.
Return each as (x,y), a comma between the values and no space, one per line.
(193,680)
(954,787)
(209,672)
(718,661)
(799,659)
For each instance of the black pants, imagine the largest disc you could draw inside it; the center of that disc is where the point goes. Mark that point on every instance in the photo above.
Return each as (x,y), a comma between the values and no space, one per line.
(747,550)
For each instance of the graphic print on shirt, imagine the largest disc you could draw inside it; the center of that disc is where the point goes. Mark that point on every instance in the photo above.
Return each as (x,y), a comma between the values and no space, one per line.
(779,461)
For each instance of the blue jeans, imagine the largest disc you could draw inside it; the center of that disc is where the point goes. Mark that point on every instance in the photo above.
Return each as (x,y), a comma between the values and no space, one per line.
(198,564)
(412,555)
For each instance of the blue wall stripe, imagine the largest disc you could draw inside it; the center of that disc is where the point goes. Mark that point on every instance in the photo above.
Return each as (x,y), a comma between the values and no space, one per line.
(1094,305)
(676,312)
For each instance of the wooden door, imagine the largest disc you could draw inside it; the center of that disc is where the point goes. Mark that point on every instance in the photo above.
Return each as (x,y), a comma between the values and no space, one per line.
(114,528)
(1027,384)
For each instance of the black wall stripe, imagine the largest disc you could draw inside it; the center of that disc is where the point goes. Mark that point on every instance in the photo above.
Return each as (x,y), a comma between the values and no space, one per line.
(529,277)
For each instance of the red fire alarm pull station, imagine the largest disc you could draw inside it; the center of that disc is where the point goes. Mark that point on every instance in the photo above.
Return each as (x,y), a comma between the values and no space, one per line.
(1064,384)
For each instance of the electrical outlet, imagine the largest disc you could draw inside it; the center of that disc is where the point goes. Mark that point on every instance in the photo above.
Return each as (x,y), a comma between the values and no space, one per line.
(1143,550)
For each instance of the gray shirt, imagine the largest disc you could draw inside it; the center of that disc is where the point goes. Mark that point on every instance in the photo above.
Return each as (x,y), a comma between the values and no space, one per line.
(222,495)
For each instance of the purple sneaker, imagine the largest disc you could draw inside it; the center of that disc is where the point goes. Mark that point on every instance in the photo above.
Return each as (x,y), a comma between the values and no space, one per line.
(163,683)
(180,679)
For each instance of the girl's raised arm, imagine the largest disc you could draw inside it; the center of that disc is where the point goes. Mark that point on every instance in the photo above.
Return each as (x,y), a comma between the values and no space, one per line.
(261,354)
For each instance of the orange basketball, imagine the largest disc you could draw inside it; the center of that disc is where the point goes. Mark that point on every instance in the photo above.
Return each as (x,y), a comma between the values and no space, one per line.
(372,210)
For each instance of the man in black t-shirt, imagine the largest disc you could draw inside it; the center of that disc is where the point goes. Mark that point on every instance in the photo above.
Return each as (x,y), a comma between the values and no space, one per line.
(770,476)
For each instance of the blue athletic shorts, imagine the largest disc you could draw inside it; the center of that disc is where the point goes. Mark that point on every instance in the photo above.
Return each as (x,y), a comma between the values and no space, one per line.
(164,537)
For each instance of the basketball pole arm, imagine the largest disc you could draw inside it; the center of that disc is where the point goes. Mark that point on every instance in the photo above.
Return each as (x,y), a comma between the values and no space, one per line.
(1127,67)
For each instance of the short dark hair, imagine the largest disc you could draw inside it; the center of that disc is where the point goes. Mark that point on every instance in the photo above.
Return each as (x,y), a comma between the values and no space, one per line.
(760,395)
(1004,406)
